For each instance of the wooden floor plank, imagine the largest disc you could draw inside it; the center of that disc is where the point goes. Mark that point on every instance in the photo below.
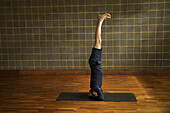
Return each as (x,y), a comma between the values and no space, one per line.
(38,93)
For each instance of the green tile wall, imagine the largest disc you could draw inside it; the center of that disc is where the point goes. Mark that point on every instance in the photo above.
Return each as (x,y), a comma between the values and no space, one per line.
(59,34)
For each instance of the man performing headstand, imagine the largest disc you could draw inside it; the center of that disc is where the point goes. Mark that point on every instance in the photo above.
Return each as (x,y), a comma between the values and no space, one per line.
(96,92)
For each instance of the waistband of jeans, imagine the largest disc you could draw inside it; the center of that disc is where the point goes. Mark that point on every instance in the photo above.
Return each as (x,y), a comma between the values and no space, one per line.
(97,49)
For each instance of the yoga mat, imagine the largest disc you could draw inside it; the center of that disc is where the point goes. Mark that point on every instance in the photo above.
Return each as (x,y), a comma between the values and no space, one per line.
(82,96)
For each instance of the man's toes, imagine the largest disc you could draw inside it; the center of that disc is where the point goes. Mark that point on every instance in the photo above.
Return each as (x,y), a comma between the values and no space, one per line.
(108,15)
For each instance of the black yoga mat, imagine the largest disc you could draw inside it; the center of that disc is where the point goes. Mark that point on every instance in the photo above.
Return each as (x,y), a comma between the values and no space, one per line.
(82,96)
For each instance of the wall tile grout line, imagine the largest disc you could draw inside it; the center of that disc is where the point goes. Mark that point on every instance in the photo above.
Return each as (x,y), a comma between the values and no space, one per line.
(59,34)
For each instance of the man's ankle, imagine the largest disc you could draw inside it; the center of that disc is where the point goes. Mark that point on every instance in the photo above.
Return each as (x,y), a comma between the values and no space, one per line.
(100,20)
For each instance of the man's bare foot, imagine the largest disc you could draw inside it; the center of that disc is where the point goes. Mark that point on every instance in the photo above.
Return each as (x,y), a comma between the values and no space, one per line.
(104,16)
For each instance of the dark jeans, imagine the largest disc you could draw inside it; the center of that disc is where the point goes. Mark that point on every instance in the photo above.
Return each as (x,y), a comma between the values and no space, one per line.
(96,73)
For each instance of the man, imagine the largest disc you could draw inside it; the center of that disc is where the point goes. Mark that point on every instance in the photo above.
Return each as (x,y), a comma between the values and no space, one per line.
(96,92)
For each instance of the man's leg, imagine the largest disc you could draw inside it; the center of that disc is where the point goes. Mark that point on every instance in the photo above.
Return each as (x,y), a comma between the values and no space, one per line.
(98,41)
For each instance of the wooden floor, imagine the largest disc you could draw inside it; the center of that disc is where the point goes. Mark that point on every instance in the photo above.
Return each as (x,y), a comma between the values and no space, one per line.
(37,93)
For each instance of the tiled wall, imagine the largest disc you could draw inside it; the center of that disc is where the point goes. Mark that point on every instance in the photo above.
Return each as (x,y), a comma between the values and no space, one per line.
(59,34)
